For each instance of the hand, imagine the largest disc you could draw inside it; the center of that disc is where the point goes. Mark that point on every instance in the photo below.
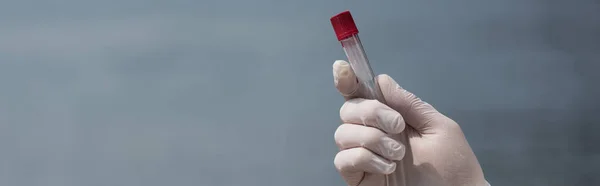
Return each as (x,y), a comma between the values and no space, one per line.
(437,153)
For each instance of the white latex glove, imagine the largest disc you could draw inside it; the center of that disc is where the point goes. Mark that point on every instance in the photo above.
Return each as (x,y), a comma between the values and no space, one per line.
(438,154)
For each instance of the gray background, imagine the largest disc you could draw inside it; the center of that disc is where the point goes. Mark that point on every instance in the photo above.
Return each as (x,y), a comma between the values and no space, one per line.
(211,93)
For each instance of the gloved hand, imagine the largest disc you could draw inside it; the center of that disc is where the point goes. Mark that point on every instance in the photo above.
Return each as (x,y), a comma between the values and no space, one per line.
(438,153)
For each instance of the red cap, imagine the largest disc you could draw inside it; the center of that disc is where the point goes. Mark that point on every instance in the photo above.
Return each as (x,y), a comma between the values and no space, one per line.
(343,25)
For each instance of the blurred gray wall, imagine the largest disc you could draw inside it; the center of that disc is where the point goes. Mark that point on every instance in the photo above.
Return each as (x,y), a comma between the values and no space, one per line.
(224,93)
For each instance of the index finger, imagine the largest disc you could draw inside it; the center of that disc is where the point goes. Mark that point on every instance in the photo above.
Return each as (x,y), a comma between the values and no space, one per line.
(372,113)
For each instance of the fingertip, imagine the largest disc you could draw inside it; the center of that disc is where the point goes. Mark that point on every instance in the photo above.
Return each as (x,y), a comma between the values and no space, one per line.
(344,78)
(398,123)
(390,148)
(387,83)
(342,70)
(415,112)
(339,62)
(389,169)
(390,120)
(358,160)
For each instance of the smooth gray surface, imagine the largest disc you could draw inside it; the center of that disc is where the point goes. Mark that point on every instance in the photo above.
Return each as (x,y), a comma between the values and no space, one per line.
(211,93)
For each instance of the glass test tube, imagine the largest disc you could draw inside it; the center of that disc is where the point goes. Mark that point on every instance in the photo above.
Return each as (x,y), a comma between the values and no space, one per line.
(347,33)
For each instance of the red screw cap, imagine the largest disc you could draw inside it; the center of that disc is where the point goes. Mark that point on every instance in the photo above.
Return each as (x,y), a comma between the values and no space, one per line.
(343,25)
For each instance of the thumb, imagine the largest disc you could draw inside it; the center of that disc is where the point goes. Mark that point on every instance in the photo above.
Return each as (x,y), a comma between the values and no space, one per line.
(345,80)
(417,113)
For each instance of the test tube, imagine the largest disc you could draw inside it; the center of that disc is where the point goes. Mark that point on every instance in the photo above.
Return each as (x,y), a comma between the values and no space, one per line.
(347,33)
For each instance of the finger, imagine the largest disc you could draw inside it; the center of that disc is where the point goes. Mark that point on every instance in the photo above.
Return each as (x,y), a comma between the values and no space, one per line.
(377,179)
(354,163)
(345,80)
(349,136)
(417,113)
(372,113)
